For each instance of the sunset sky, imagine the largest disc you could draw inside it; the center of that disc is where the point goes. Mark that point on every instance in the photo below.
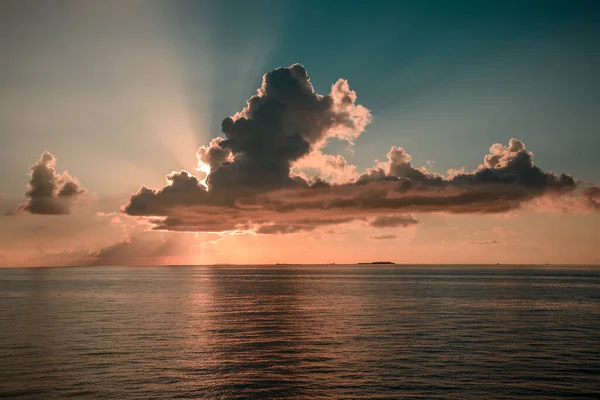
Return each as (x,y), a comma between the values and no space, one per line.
(413,132)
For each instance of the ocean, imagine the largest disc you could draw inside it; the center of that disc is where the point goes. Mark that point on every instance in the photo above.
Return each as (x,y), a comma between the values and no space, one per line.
(300,332)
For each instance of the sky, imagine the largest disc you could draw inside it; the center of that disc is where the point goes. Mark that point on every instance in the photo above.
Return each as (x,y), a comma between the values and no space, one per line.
(413,132)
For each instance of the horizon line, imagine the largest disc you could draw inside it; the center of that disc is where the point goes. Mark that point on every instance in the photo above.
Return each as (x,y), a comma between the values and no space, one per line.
(312,264)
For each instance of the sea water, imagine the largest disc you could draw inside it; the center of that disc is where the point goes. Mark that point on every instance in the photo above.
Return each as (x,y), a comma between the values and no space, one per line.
(300,332)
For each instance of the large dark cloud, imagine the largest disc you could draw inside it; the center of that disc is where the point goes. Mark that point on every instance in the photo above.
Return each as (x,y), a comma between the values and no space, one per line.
(50,193)
(505,180)
(283,122)
(250,185)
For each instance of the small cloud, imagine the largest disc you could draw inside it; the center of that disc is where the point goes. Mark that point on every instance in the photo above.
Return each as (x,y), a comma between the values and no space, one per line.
(50,192)
(484,242)
(279,228)
(393,221)
(384,237)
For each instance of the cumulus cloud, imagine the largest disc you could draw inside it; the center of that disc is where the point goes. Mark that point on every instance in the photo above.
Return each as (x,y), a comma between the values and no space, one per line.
(256,182)
(182,189)
(50,192)
(328,167)
(503,164)
(505,180)
(213,156)
(282,123)
(398,166)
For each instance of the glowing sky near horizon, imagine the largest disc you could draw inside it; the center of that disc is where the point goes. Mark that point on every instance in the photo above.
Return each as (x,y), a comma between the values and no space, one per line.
(124,92)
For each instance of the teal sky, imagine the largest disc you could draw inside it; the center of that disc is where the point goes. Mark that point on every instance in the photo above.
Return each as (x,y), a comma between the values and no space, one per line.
(123,92)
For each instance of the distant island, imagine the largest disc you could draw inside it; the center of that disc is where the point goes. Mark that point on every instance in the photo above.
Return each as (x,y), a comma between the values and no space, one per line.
(376,262)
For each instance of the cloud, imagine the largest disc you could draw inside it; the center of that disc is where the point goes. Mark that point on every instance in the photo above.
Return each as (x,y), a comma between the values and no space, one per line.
(282,123)
(300,225)
(256,183)
(592,196)
(279,228)
(213,156)
(146,248)
(393,221)
(331,168)
(398,166)
(139,248)
(511,164)
(483,242)
(50,193)
(384,237)
(182,189)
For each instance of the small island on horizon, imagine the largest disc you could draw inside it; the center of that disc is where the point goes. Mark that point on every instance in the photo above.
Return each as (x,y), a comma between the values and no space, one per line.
(376,262)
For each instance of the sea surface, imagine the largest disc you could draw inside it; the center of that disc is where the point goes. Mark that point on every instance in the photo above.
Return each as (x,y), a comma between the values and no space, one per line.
(300,332)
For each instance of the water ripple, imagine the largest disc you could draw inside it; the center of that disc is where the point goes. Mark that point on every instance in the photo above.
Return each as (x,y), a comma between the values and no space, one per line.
(300,332)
